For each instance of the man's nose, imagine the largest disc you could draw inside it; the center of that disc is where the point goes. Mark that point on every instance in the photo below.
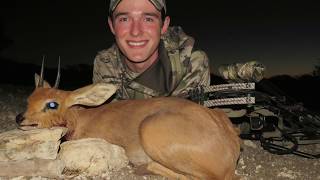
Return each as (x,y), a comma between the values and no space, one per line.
(136,28)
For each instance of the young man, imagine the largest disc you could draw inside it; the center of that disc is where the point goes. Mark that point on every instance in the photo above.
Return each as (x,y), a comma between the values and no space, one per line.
(149,58)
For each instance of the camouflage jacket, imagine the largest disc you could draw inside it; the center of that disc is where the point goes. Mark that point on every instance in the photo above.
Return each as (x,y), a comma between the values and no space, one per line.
(187,68)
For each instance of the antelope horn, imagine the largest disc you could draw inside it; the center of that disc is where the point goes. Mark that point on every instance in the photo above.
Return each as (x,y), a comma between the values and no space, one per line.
(40,83)
(58,75)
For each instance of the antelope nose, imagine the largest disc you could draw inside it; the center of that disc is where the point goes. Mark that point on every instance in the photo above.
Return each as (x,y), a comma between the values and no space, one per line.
(19,118)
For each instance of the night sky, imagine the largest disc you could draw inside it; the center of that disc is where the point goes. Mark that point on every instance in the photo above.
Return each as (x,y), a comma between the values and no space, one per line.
(285,36)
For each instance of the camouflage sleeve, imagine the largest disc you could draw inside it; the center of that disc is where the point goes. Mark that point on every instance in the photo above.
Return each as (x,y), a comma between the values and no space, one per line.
(97,76)
(105,69)
(198,74)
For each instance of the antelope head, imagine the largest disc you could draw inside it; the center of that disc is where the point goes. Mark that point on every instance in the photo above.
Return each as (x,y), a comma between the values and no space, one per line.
(47,105)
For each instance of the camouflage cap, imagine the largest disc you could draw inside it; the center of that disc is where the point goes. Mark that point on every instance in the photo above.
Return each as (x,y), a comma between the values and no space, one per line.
(159,4)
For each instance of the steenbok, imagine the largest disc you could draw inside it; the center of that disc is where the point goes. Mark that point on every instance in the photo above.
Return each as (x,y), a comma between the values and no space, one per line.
(169,136)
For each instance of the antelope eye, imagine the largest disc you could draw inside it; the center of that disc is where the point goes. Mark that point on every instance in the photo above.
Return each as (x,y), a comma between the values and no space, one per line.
(52,105)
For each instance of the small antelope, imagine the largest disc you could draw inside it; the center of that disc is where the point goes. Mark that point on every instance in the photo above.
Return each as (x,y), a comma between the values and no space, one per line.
(169,136)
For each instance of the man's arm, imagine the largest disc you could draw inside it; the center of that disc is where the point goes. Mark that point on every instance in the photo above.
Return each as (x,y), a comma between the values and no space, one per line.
(105,68)
(198,74)
(97,69)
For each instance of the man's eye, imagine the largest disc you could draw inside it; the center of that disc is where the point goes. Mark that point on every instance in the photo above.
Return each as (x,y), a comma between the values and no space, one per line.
(123,19)
(148,19)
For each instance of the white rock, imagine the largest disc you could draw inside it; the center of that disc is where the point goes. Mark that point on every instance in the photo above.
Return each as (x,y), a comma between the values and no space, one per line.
(92,156)
(34,167)
(288,175)
(37,143)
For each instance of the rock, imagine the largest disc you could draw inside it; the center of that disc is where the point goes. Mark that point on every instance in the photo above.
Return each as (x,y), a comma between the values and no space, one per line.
(37,143)
(35,167)
(250,143)
(92,156)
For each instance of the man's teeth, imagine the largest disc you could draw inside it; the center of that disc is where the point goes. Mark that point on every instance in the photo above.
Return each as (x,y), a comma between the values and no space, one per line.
(136,43)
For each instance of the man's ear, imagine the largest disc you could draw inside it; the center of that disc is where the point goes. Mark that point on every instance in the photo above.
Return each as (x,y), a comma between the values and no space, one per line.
(91,95)
(37,81)
(110,23)
(165,25)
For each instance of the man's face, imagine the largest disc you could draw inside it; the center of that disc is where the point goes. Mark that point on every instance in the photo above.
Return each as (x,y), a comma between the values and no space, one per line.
(137,27)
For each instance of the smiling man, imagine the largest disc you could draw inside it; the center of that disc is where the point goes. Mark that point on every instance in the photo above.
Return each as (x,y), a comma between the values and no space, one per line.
(149,58)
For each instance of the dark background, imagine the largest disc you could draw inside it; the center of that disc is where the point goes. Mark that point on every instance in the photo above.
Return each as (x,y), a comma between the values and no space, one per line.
(283,35)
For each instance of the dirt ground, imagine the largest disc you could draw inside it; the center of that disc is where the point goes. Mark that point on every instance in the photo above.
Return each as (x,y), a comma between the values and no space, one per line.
(254,163)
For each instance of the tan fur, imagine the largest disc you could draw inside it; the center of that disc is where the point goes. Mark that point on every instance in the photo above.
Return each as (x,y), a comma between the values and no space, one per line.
(169,136)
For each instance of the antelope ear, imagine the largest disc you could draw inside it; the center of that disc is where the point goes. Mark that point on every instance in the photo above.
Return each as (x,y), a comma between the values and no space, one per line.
(37,80)
(91,95)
